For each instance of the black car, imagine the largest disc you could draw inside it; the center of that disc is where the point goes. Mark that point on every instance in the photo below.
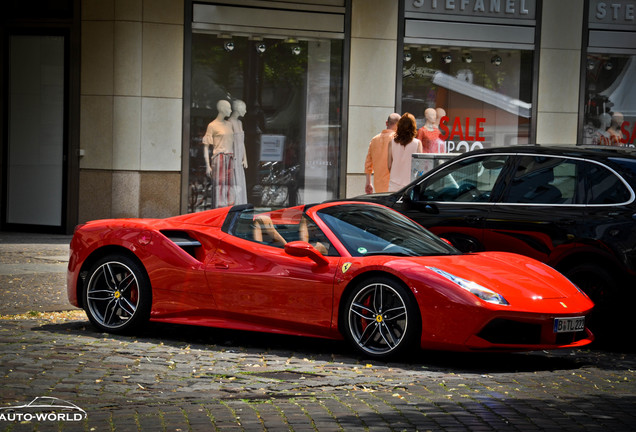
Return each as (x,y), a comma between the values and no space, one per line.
(573,208)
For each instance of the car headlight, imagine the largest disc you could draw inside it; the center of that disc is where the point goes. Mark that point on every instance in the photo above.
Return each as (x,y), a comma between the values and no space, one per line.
(474,288)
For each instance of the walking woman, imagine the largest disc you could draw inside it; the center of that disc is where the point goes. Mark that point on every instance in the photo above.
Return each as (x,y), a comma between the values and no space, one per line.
(401,149)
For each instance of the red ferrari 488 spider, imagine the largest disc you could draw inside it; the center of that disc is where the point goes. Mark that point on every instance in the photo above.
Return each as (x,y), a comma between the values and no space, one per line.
(352,270)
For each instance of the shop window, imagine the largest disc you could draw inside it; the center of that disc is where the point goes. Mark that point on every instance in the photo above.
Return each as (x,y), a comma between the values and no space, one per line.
(610,105)
(284,97)
(485,95)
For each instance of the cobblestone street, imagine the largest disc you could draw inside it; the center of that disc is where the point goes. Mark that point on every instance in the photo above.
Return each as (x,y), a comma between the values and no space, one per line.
(180,378)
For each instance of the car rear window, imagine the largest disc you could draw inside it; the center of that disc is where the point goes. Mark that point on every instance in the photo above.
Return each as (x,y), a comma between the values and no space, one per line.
(605,187)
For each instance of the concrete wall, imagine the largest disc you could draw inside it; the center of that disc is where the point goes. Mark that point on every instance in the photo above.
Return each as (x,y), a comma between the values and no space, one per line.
(131,105)
(559,72)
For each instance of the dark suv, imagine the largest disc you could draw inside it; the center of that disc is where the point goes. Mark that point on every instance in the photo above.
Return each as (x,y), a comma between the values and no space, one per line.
(573,208)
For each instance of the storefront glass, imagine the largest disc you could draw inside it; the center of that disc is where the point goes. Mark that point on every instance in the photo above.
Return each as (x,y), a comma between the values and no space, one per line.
(485,94)
(610,100)
(281,143)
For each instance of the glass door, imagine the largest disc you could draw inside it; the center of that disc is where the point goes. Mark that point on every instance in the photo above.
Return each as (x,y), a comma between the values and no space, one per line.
(34,187)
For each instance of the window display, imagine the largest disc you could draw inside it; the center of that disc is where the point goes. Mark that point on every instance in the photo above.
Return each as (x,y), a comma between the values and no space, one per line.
(610,107)
(265,120)
(483,97)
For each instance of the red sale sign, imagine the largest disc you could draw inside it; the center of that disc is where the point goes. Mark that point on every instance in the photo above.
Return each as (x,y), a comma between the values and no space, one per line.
(461,131)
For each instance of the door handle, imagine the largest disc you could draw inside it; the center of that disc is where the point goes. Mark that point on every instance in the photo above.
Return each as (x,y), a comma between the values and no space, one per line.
(222,266)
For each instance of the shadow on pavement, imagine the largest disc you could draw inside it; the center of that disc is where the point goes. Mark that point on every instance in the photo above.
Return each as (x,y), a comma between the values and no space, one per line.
(244,342)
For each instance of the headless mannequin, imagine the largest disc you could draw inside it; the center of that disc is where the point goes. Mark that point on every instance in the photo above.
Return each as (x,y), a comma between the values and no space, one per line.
(240,159)
(219,165)
(614,131)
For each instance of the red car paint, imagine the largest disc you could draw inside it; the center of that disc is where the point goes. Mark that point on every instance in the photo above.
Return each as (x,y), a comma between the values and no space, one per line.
(237,283)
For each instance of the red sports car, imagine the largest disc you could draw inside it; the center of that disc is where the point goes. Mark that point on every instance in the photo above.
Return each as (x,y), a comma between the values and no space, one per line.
(343,269)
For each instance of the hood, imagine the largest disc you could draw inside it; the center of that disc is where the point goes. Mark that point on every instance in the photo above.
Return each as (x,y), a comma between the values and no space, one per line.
(515,277)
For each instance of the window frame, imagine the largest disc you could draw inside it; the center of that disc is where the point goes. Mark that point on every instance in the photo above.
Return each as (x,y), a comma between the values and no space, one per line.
(502,185)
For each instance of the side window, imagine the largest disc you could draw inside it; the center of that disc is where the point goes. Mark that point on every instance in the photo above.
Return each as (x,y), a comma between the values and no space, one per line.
(604,187)
(470,180)
(279,228)
(310,233)
(270,228)
(544,180)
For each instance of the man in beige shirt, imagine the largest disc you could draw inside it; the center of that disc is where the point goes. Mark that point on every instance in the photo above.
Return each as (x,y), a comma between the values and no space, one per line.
(376,161)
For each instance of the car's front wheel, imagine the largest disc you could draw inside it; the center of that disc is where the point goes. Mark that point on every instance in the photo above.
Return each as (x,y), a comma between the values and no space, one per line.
(595,281)
(117,297)
(380,318)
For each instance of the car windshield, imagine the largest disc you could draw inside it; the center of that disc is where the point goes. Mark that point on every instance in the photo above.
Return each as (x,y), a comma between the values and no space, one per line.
(373,230)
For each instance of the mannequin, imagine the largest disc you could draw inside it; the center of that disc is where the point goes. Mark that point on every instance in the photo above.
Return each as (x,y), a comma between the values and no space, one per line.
(429,133)
(220,165)
(440,113)
(614,136)
(240,159)
(601,136)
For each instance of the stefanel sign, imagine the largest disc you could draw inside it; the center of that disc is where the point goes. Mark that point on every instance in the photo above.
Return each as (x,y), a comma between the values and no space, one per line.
(458,136)
(615,12)
(517,9)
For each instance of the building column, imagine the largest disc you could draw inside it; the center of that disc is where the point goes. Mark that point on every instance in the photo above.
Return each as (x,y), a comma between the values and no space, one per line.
(559,72)
(131,108)
(372,80)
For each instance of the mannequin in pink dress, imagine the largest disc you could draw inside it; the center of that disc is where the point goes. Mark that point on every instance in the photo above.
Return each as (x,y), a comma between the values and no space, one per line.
(429,134)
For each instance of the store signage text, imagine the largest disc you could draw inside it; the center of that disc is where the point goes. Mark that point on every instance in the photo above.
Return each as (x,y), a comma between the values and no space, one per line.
(458,136)
(614,12)
(501,8)
(629,138)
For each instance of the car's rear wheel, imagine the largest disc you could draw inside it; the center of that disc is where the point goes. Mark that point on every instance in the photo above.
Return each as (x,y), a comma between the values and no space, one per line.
(117,297)
(380,318)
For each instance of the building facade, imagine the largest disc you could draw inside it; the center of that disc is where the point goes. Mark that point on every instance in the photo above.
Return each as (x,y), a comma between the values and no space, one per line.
(152,108)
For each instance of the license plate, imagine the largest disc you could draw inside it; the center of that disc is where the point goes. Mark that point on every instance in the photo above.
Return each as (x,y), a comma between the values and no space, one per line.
(566,325)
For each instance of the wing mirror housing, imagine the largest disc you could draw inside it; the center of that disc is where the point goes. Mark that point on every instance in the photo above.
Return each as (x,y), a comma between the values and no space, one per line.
(303,249)
(409,195)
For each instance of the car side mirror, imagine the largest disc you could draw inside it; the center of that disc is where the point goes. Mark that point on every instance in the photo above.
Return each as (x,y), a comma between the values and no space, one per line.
(303,249)
(410,195)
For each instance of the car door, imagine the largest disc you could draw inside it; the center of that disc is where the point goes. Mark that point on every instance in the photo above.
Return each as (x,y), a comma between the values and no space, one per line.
(610,211)
(454,202)
(260,284)
(540,209)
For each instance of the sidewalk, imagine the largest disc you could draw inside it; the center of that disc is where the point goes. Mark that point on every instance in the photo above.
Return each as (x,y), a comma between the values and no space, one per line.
(33,272)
